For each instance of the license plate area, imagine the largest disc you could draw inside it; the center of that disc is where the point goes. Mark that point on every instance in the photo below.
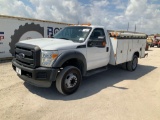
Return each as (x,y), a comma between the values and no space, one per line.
(18,70)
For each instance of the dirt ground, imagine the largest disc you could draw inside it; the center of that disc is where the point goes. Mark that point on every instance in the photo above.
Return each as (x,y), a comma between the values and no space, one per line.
(115,94)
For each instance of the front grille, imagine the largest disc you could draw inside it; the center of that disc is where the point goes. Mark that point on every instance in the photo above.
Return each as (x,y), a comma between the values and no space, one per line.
(27,55)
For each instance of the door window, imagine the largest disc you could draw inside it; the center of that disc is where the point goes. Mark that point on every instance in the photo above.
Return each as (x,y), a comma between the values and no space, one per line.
(96,33)
(97,38)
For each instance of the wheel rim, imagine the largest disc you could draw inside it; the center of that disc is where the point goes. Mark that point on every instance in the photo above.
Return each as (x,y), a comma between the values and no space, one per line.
(134,64)
(70,81)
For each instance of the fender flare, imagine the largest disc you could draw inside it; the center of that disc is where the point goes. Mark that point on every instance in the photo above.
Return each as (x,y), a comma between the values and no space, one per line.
(62,58)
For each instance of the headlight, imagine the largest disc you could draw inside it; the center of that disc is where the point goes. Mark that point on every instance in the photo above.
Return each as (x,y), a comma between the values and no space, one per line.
(47,58)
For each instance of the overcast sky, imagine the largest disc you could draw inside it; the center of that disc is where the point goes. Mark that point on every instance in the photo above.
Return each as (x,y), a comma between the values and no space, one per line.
(113,14)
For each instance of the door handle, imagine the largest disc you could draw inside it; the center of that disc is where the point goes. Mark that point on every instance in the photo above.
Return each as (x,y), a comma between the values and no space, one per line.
(107,49)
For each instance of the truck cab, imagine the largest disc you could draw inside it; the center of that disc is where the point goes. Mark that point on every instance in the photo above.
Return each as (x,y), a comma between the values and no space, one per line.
(71,54)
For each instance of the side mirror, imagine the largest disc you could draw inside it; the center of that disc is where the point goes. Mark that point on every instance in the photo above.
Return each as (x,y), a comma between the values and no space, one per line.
(90,43)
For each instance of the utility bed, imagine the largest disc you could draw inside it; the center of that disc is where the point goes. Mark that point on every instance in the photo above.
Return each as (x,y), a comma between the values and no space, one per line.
(124,45)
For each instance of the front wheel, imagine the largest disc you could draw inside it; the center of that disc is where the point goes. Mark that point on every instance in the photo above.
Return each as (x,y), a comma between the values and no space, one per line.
(68,80)
(132,65)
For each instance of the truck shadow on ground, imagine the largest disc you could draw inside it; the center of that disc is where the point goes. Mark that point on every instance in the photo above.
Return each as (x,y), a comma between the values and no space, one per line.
(93,84)
(149,50)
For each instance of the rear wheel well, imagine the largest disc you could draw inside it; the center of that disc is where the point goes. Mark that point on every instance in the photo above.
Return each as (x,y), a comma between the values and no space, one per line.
(137,54)
(74,62)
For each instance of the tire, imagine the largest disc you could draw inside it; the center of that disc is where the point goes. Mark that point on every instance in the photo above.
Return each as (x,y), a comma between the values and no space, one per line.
(132,65)
(124,66)
(22,30)
(158,45)
(68,80)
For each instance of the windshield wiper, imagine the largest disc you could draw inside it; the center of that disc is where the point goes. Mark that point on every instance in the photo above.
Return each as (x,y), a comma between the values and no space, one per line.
(64,38)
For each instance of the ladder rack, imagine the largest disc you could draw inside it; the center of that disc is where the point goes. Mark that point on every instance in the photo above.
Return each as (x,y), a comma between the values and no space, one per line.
(127,35)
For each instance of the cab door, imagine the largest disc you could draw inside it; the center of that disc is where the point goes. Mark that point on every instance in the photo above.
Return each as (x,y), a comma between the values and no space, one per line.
(97,49)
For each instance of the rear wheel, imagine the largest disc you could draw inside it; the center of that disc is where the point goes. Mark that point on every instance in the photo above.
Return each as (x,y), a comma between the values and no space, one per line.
(124,66)
(68,81)
(132,65)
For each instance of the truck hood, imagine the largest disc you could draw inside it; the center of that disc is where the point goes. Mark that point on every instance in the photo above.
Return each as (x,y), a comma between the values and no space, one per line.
(52,44)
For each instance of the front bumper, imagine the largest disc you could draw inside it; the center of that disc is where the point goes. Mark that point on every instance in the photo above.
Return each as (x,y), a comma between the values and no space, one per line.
(40,77)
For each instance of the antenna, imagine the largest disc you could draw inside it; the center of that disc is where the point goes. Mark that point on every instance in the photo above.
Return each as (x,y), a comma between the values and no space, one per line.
(128,26)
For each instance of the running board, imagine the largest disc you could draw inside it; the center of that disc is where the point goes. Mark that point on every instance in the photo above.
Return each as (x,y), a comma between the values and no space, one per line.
(95,71)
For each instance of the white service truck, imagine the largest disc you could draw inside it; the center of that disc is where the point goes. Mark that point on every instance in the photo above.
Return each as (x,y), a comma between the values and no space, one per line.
(74,52)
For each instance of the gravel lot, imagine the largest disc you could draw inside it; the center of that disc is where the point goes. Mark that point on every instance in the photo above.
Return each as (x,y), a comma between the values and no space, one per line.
(115,94)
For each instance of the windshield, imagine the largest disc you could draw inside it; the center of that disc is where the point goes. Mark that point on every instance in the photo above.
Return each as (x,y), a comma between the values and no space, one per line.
(74,33)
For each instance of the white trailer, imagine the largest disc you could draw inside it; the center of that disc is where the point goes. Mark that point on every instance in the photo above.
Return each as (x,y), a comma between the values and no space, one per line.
(14,29)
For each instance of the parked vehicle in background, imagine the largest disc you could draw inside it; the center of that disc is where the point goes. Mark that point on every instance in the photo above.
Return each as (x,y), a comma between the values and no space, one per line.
(150,40)
(156,41)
